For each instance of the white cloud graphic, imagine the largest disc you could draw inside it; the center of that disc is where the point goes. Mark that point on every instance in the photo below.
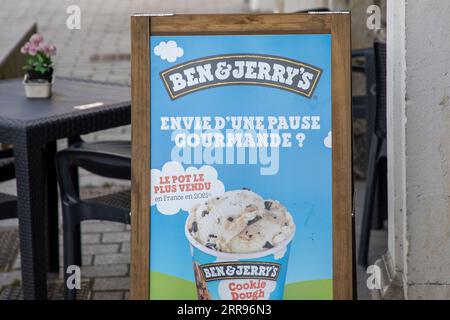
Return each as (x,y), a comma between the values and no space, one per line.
(169,196)
(168,51)
(328,140)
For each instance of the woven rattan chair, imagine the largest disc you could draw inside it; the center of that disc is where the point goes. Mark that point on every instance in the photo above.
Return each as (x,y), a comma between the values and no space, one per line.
(376,171)
(110,159)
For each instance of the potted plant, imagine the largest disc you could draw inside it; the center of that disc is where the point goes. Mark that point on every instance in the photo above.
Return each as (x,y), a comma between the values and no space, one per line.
(39,66)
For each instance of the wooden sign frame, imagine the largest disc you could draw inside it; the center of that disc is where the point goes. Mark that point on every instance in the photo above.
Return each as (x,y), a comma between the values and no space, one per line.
(336,24)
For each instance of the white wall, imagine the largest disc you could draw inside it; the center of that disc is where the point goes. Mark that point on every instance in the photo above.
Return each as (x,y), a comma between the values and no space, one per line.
(262,5)
(396,123)
(296,5)
(419,145)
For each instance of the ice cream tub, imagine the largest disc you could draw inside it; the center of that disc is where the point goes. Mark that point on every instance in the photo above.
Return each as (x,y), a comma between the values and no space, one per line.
(240,247)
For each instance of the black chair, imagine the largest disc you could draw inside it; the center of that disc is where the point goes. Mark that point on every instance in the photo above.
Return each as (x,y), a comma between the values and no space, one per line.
(8,203)
(110,159)
(377,167)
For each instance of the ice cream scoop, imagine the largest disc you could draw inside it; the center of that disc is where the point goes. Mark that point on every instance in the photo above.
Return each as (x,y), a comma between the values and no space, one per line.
(240,221)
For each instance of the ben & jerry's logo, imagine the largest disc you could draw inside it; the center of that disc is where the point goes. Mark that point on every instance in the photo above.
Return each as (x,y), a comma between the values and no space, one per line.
(241,270)
(241,69)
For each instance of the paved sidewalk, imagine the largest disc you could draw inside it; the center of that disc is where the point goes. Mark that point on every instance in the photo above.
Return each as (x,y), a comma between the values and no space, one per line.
(106,257)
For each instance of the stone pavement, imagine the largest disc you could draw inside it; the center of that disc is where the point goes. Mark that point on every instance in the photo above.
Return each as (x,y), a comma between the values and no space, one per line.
(106,257)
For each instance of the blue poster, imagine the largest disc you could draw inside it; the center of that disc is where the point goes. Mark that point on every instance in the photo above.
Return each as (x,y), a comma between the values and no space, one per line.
(241,167)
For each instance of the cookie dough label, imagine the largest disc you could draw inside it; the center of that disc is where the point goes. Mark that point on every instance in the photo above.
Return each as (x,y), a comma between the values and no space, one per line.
(242,280)
(246,289)
(241,69)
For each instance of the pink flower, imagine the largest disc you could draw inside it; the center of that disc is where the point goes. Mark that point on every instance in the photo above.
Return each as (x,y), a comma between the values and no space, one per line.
(25,48)
(36,39)
(47,48)
(32,49)
(44,47)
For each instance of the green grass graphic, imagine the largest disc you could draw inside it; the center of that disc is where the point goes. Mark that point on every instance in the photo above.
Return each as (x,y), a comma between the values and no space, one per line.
(309,290)
(166,287)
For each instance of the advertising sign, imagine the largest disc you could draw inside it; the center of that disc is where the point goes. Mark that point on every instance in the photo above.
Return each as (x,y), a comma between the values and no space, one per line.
(240,167)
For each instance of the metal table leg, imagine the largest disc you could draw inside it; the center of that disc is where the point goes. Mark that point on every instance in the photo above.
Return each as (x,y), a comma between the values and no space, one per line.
(29,160)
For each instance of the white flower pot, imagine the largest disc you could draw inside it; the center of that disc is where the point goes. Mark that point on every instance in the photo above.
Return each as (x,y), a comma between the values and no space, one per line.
(37,89)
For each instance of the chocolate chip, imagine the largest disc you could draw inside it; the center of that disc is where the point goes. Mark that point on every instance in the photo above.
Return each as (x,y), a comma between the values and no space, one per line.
(286,224)
(205,213)
(230,219)
(218,198)
(257,218)
(214,236)
(211,246)
(267,245)
(194,226)
(268,204)
(218,220)
(250,235)
(247,189)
